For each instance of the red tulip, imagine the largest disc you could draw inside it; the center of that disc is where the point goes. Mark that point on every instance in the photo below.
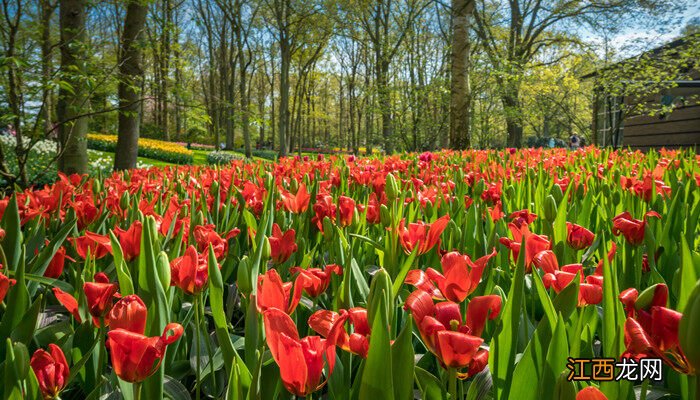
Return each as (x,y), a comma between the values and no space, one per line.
(533,244)
(129,313)
(205,235)
(547,261)
(282,245)
(346,205)
(651,329)
(273,293)
(590,287)
(522,217)
(331,326)
(55,267)
(459,278)
(315,281)
(171,218)
(454,342)
(69,302)
(590,393)
(323,207)
(134,356)
(98,245)
(578,237)
(130,240)
(301,361)
(5,284)
(373,211)
(99,295)
(632,229)
(416,236)
(297,203)
(51,370)
(189,272)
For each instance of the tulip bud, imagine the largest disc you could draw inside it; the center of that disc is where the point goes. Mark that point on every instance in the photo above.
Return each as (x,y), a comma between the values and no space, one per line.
(327,229)
(689,328)
(564,389)
(269,180)
(214,187)
(429,209)
(557,193)
(479,188)
(294,186)
(245,285)
(163,269)
(391,188)
(550,208)
(606,190)
(124,201)
(384,216)
(380,286)
(509,192)
(266,249)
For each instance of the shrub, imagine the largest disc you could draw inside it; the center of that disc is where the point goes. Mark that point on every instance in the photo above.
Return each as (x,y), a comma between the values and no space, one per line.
(222,157)
(150,148)
(39,167)
(266,154)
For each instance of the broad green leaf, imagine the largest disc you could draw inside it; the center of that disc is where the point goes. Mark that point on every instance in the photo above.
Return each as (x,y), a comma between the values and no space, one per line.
(377,376)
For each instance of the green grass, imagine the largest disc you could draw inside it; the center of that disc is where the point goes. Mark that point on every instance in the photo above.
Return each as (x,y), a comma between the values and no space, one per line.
(200,157)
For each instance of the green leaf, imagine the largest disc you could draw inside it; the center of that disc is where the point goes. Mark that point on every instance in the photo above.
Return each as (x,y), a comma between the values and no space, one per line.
(41,262)
(402,361)
(403,271)
(377,377)
(11,244)
(175,390)
(430,386)
(18,298)
(126,284)
(557,355)
(504,345)
(688,275)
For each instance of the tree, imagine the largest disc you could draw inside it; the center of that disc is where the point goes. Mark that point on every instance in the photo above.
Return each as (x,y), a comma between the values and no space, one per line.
(460,91)
(130,79)
(73,96)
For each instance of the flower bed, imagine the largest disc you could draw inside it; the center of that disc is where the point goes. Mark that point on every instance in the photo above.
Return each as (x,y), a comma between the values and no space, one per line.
(440,275)
(149,148)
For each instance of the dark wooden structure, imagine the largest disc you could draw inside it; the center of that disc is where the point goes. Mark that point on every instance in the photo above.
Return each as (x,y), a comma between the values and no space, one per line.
(614,126)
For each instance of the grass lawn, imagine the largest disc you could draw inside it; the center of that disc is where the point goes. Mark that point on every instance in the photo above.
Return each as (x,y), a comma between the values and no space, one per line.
(200,157)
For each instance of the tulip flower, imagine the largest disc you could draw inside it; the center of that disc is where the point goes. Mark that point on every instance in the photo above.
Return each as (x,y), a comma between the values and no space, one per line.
(651,329)
(331,325)
(459,278)
(69,302)
(421,235)
(454,342)
(315,281)
(632,229)
(171,216)
(51,370)
(296,203)
(611,256)
(273,293)
(533,244)
(323,207)
(5,284)
(189,272)
(590,287)
(206,235)
(134,356)
(373,215)
(590,393)
(346,205)
(98,245)
(522,217)
(99,295)
(55,267)
(129,313)
(301,361)
(282,245)
(578,237)
(130,240)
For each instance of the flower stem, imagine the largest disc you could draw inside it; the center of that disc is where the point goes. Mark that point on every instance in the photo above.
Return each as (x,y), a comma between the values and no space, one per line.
(207,342)
(137,390)
(697,385)
(643,394)
(102,350)
(197,345)
(452,383)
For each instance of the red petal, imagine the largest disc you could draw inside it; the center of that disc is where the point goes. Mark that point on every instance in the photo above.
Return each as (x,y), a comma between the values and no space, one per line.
(479,309)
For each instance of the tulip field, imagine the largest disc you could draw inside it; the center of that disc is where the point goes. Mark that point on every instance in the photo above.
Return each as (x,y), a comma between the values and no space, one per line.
(499,274)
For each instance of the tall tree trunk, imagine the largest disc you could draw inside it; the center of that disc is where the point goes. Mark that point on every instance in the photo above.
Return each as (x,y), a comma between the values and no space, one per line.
(243,88)
(286,59)
(385,104)
(47,10)
(130,78)
(460,86)
(73,103)
(512,108)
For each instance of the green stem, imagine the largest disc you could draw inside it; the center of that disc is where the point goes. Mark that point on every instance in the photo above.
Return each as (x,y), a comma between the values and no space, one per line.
(102,351)
(197,346)
(643,393)
(207,342)
(452,383)
(137,390)
(697,385)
